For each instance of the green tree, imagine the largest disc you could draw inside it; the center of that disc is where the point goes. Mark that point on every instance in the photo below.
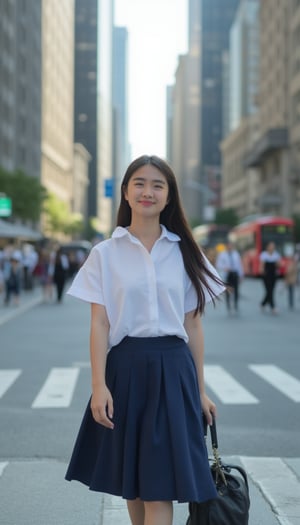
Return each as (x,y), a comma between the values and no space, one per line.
(27,194)
(226,216)
(59,219)
(75,224)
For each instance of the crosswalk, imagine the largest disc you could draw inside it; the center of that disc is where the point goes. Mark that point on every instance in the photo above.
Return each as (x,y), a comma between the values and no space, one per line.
(58,387)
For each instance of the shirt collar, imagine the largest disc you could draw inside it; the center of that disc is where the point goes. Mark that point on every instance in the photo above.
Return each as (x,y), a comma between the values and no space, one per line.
(120,231)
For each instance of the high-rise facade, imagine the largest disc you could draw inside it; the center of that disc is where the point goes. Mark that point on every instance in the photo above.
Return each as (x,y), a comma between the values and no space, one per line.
(216,17)
(200,105)
(20,86)
(120,148)
(240,122)
(272,159)
(85,90)
(104,91)
(270,154)
(58,98)
(243,62)
(93,104)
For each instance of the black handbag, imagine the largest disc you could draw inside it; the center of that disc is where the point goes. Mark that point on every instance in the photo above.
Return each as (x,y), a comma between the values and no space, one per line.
(231,507)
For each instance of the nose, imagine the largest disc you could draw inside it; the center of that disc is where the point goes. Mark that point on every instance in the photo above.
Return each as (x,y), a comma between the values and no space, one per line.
(147,191)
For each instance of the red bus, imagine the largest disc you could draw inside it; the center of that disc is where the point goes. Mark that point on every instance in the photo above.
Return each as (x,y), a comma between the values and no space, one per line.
(251,237)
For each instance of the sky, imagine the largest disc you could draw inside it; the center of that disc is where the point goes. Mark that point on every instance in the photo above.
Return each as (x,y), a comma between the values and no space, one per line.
(157,35)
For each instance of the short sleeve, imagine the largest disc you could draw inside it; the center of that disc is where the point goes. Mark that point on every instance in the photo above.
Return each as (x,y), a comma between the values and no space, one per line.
(87,283)
(190,302)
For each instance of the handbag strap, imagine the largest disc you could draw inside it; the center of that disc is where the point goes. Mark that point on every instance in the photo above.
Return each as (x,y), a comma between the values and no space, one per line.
(214,444)
(213,431)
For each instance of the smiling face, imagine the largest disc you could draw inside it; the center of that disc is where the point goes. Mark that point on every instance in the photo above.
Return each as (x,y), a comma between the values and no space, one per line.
(147,192)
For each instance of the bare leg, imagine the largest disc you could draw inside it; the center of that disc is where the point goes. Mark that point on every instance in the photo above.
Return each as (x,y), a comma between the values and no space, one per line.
(136,511)
(158,512)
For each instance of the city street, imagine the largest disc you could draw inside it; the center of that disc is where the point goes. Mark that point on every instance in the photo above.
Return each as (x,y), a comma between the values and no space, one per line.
(252,371)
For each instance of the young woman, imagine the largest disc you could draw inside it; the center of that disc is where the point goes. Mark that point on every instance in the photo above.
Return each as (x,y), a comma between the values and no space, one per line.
(141,436)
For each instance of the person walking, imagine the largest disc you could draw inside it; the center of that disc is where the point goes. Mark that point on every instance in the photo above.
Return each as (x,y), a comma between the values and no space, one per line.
(60,273)
(291,279)
(12,276)
(270,259)
(141,436)
(230,268)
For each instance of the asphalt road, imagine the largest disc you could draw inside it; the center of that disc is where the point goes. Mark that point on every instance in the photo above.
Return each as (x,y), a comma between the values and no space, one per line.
(253,374)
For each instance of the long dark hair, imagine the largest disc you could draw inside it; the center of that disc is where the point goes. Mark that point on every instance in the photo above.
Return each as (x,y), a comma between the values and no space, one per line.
(173,217)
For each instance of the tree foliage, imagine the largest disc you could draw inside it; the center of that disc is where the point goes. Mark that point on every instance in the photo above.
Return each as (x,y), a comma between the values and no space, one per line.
(226,216)
(26,193)
(59,219)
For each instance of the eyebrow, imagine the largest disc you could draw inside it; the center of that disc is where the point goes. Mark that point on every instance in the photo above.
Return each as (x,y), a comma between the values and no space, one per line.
(142,179)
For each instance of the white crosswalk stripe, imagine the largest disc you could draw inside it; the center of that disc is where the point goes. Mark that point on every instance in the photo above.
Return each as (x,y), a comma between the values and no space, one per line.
(281,380)
(7,378)
(226,388)
(58,389)
(3,464)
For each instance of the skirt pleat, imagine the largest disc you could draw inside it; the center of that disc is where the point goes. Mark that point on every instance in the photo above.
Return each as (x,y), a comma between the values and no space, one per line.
(156,450)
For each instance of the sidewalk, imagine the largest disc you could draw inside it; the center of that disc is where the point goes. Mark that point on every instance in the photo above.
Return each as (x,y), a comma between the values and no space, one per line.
(47,499)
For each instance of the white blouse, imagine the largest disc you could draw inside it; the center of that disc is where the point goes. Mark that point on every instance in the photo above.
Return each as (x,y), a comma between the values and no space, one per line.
(145,294)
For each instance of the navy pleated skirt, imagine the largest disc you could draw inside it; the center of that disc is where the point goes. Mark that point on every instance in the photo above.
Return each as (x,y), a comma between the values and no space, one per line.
(156,451)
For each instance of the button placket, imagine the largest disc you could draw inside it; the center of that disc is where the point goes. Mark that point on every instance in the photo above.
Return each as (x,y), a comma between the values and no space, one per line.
(151,284)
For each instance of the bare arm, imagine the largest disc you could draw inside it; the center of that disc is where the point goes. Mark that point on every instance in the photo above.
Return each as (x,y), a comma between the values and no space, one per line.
(193,327)
(101,402)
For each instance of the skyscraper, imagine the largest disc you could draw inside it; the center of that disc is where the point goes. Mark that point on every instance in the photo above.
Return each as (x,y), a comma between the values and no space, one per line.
(216,18)
(211,20)
(57,98)
(85,95)
(120,157)
(20,89)
(243,62)
(93,110)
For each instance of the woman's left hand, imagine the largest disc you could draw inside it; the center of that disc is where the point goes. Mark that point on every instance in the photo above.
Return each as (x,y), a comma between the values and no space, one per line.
(208,408)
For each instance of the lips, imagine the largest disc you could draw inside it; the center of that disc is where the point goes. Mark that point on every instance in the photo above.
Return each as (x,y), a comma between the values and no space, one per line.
(146,203)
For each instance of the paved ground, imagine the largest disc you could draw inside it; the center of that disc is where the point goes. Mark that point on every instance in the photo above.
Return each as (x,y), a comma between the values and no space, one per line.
(34,492)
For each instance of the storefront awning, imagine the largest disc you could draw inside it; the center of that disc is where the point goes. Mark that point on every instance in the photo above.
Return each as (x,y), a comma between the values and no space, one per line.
(8,230)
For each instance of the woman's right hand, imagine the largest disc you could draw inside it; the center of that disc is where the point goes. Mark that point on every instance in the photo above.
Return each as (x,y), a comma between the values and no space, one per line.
(102,406)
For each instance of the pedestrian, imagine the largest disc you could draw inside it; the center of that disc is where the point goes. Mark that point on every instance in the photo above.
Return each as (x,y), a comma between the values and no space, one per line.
(291,279)
(12,276)
(230,267)
(60,273)
(142,434)
(44,271)
(270,260)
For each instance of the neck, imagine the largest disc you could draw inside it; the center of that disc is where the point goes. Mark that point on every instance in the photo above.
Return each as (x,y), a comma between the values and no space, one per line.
(145,229)
(147,233)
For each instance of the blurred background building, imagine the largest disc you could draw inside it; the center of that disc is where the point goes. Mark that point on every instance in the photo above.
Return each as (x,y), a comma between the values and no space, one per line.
(197,107)
(20,86)
(120,146)
(57,98)
(232,112)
